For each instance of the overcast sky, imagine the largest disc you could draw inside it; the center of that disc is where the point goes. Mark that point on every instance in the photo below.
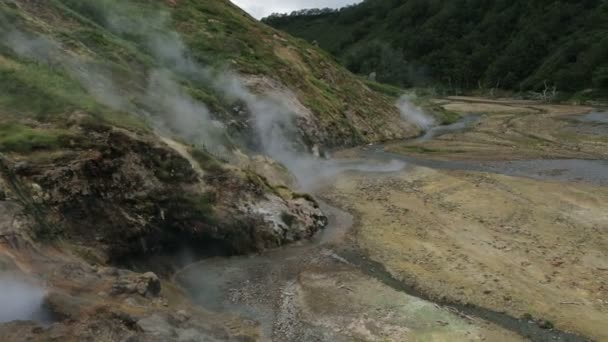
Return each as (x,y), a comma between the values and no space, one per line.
(262,8)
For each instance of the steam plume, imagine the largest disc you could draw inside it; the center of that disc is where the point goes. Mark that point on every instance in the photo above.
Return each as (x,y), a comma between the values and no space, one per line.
(19,300)
(414,114)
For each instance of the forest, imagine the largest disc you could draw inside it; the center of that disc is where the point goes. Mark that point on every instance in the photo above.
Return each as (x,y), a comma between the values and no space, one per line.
(518,45)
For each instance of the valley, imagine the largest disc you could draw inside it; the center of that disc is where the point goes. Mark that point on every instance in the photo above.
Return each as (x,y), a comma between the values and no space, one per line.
(176,170)
(510,248)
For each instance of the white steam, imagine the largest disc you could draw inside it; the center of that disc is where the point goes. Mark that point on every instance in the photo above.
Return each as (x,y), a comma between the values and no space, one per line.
(19,300)
(169,107)
(414,114)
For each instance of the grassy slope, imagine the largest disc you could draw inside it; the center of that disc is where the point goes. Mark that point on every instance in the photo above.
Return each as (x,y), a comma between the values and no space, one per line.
(216,33)
(520,43)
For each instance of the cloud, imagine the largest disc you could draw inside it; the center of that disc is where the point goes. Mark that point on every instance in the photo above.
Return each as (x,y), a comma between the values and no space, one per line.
(262,8)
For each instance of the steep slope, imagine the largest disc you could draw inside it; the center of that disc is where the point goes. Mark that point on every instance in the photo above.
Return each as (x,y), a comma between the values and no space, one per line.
(115,134)
(517,45)
(116,143)
(114,48)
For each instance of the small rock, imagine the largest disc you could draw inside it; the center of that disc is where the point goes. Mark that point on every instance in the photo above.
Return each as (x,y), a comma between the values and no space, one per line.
(145,285)
(544,324)
(21,166)
(131,301)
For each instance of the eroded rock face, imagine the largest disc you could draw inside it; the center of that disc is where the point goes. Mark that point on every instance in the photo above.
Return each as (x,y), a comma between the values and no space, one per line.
(85,305)
(146,285)
(319,129)
(130,194)
(68,218)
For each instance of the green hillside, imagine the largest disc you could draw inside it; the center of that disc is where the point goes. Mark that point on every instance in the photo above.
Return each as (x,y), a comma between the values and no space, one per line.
(123,62)
(465,44)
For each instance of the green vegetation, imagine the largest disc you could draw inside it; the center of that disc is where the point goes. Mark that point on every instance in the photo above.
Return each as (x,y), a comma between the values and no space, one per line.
(466,44)
(207,161)
(71,46)
(20,138)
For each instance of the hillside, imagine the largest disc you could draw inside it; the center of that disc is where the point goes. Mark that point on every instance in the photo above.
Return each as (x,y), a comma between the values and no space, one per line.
(97,50)
(515,45)
(135,129)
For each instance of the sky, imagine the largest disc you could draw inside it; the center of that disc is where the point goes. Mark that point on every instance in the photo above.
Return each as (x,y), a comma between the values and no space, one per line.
(262,8)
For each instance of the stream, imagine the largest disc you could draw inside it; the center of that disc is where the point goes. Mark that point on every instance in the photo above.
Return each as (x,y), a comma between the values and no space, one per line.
(257,287)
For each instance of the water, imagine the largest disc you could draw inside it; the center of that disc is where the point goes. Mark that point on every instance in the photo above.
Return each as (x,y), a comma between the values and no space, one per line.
(461,125)
(594,123)
(597,117)
(571,170)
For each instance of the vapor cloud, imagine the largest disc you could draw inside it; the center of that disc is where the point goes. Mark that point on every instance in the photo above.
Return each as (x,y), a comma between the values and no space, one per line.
(19,300)
(171,109)
(414,114)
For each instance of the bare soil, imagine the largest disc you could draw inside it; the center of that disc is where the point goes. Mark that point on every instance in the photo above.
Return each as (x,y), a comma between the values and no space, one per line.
(533,248)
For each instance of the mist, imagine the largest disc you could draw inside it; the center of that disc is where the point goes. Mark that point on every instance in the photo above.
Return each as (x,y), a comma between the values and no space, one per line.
(414,114)
(20,300)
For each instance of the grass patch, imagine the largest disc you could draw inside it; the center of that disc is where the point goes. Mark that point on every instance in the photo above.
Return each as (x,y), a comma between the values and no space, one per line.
(15,137)
(447,117)
(382,88)
(207,161)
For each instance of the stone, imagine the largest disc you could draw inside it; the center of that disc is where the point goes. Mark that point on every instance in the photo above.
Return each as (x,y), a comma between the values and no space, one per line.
(145,285)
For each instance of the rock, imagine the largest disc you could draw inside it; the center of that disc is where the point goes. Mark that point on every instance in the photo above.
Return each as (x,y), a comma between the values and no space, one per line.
(146,285)
(157,326)
(544,324)
(21,167)
(182,316)
(149,283)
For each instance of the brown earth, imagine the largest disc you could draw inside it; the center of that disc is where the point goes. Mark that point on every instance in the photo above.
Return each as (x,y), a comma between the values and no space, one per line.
(511,130)
(530,248)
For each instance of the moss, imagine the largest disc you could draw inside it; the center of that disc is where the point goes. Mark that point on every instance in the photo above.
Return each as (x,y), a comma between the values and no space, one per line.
(195,207)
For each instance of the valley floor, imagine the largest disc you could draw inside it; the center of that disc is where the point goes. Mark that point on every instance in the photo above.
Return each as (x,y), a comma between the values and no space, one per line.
(532,246)
(491,231)
(478,238)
